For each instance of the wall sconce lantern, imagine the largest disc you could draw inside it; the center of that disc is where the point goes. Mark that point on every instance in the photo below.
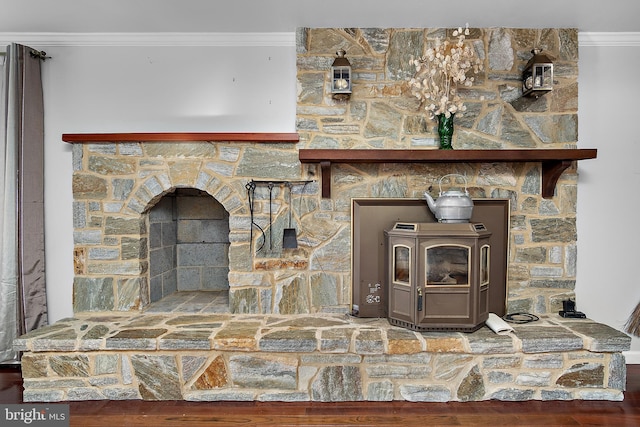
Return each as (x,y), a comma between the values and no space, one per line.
(341,77)
(537,77)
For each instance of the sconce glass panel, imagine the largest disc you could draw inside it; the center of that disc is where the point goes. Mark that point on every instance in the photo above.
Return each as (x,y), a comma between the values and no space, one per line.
(543,76)
(341,79)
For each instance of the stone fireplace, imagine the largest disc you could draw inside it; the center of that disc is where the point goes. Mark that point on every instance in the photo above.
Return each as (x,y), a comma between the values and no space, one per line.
(118,183)
(287,334)
(133,247)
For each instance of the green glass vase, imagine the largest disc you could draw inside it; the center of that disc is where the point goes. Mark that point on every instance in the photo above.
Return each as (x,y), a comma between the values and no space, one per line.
(445,131)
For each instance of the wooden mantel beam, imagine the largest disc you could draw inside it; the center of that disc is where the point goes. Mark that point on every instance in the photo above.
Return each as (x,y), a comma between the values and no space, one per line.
(181,136)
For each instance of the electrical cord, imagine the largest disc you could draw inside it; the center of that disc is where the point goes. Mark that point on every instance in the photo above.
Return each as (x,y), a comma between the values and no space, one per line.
(520,318)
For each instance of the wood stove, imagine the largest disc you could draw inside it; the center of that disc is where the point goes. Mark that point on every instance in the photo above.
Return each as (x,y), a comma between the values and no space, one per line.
(438,275)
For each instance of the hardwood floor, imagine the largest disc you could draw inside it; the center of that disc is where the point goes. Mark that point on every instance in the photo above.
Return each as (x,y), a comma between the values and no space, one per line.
(494,413)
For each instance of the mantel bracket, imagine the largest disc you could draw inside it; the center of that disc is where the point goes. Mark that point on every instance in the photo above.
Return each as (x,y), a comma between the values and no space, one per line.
(551,171)
(325,169)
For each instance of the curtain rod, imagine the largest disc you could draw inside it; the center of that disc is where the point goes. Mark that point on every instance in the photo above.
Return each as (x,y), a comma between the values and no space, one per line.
(34,54)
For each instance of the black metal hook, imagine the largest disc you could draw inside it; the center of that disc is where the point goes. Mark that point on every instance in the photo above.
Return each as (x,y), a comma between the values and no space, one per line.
(40,54)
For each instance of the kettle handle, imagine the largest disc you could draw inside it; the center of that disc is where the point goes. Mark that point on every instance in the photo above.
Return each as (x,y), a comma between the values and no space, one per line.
(453,174)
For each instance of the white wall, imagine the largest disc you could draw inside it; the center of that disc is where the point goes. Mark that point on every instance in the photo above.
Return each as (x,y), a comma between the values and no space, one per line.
(245,89)
(608,288)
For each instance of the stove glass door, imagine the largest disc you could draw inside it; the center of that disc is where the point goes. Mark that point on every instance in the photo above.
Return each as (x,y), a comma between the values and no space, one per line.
(447,265)
(402,265)
(484,265)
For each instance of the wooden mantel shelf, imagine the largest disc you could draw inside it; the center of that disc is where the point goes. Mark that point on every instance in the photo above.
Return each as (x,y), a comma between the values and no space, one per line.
(554,161)
(181,136)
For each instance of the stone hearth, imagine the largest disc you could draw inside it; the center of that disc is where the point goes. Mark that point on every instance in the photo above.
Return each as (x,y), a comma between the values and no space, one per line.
(215,357)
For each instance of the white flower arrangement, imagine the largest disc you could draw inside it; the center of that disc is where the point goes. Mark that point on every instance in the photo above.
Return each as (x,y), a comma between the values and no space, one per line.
(440,71)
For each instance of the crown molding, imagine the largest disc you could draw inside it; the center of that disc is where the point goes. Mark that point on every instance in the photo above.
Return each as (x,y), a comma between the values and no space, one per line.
(621,39)
(150,39)
(286,39)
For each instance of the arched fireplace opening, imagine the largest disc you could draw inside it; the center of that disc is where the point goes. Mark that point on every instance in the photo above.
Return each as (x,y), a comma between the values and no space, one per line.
(188,233)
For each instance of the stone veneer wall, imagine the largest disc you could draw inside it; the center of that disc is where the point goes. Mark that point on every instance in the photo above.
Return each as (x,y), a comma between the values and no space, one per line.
(115,184)
(382,113)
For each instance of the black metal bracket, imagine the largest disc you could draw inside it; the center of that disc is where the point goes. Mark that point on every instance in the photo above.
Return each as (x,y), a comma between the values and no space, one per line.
(285,182)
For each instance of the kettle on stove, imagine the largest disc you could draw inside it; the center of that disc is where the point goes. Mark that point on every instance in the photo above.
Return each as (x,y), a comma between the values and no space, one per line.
(453,205)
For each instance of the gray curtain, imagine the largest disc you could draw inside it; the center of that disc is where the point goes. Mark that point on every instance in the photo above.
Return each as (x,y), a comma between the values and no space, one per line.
(23,300)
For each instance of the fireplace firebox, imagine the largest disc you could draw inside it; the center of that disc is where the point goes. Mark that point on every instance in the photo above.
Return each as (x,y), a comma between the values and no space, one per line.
(438,275)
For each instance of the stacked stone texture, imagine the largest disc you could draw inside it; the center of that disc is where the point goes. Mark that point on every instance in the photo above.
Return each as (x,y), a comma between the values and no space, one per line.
(115,185)
(382,114)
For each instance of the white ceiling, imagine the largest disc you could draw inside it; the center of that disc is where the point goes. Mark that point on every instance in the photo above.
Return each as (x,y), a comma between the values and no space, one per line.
(210,16)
